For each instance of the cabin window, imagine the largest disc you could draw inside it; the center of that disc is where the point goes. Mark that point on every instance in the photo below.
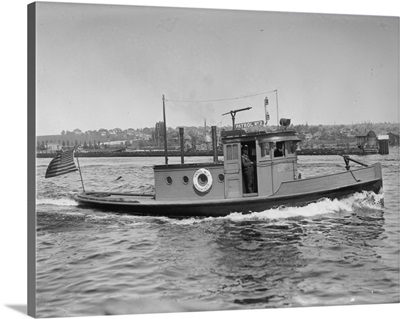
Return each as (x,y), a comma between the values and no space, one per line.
(229,152)
(265,149)
(185,180)
(221,178)
(279,149)
(232,152)
(168,180)
(291,147)
(235,151)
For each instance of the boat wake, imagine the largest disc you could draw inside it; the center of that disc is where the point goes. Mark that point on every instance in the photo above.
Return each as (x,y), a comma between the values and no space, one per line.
(56,201)
(363,200)
(358,201)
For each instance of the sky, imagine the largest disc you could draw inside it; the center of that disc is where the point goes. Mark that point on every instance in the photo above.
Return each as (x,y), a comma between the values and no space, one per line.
(108,66)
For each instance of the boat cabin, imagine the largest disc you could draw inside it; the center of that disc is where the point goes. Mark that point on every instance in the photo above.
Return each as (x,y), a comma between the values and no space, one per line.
(255,164)
(273,157)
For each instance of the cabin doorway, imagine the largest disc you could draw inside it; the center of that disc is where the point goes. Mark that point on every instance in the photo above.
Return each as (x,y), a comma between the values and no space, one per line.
(232,167)
(249,167)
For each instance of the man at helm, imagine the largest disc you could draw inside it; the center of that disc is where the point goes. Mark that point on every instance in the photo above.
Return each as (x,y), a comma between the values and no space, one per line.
(248,170)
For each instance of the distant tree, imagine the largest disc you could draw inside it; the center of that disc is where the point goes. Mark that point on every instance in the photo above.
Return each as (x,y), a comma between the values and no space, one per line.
(194,141)
(147,130)
(63,132)
(63,143)
(313,129)
(68,143)
(85,145)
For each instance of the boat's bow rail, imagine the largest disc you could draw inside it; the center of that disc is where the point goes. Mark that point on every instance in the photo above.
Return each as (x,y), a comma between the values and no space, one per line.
(356,178)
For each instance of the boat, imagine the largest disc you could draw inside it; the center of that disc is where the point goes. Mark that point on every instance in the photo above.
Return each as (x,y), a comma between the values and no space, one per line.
(219,188)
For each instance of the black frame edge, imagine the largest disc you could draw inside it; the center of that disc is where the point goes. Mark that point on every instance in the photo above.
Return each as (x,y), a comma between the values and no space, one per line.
(31,138)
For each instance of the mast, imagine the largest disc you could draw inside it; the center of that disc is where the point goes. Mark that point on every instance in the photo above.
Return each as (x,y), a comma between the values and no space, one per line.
(181,138)
(165,132)
(277,109)
(233,114)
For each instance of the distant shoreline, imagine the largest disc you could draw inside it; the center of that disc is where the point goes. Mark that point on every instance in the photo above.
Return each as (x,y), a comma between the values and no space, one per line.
(338,151)
(132,154)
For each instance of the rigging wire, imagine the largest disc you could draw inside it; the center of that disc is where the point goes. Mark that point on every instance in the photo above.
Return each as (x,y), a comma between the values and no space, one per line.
(219,100)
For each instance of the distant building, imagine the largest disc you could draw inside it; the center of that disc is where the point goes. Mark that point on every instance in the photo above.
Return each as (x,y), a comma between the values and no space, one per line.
(308,136)
(383,141)
(317,135)
(130,131)
(52,147)
(393,139)
(103,132)
(368,141)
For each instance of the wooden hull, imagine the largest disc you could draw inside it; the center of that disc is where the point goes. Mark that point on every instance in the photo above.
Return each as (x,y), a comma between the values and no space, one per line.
(296,193)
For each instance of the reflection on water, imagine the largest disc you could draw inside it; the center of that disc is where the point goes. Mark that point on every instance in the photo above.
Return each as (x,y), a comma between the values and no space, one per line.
(258,260)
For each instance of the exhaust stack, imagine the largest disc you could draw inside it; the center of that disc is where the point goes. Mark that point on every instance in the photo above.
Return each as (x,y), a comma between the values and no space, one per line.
(214,143)
(182,146)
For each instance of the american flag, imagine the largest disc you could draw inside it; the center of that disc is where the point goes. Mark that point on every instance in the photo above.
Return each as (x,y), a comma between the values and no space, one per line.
(63,163)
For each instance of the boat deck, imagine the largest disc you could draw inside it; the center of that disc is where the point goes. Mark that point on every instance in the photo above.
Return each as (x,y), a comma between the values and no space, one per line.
(117,197)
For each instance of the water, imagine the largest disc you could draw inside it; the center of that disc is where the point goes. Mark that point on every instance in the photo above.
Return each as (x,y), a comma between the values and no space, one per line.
(327,253)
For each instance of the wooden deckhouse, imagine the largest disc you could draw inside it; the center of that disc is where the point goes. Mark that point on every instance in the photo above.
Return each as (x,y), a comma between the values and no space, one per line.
(273,155)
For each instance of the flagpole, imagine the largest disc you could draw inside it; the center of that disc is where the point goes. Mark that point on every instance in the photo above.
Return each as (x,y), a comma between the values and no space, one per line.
(165,132)
(80,173)
(277,108)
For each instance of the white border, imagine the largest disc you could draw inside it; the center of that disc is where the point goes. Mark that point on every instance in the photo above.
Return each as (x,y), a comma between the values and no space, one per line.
(14,155)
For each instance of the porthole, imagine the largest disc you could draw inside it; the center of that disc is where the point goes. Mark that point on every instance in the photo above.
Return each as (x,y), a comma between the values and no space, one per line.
(221,178)
(169,180)
(185,180)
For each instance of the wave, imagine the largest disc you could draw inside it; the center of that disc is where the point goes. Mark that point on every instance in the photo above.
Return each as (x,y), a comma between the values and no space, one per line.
(56,201)
(368,200)
(357,201)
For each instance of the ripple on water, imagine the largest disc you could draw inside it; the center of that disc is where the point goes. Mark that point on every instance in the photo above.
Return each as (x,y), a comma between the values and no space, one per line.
(333,252)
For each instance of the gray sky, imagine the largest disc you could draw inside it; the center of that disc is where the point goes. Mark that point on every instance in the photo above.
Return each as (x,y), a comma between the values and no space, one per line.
(107,66)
